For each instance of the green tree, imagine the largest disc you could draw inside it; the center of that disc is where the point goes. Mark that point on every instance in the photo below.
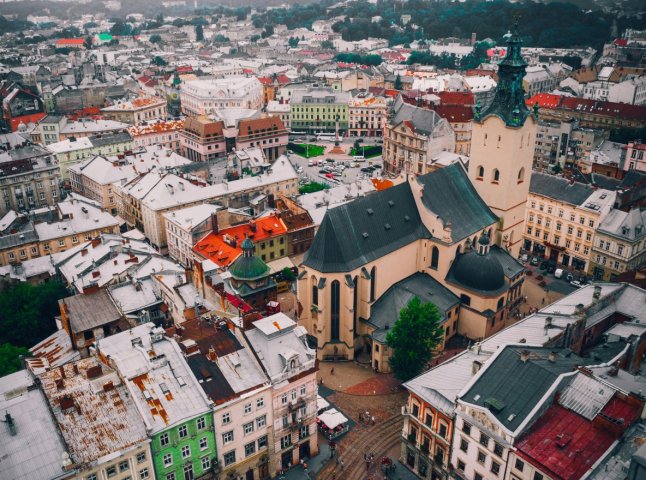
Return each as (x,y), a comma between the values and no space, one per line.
(398,82)
(199,33)
(327,45)
(155,38)
(10,358)
(413,337)
(293,42)
(28,312)
(159,61)
(288,274)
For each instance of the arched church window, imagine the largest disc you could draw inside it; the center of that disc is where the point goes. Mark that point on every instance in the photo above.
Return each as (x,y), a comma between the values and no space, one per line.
(480,171)
(521,175)
(373,283)
(496,175)
(335,307)
(435,257)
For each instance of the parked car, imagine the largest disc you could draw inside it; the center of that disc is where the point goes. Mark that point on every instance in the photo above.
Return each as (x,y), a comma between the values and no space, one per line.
(551,268)
(558,273)
(299,169)
(310,163)
(524,257)
(534,261)
(569,277)
(329,175)
(576,284)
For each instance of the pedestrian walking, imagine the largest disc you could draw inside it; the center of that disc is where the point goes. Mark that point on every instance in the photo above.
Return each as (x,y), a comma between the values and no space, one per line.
(332,371)
(342,464)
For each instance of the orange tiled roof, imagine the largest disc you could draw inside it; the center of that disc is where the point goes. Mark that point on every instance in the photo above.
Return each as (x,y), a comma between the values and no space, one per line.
(158,127)
(224,247)
(70,41)
(381,184)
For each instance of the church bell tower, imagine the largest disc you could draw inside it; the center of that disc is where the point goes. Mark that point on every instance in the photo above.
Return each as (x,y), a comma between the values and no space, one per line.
(502,148)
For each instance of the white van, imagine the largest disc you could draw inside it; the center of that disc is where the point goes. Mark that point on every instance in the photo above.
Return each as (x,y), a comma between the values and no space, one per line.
(558,273)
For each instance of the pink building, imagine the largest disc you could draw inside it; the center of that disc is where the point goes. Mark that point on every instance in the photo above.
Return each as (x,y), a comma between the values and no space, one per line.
(632,157)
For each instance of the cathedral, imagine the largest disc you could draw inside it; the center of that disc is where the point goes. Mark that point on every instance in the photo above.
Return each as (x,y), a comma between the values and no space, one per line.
(450,237)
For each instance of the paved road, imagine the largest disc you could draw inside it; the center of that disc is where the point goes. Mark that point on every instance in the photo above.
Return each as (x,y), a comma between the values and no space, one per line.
(377,439)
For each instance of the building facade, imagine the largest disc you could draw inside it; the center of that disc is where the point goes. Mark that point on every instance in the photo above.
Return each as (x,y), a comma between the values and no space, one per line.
(205,96)
(319,110)
(139,110)
(368,116)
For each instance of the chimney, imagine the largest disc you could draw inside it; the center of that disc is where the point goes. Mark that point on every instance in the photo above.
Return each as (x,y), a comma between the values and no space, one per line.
(84,252)
(552,357)
(548,323)
(62,370)
(94,372)
(524,356)
(214,223)
(597,292)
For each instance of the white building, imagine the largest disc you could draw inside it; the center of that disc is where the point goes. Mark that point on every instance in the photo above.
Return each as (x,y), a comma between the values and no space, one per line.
(204,96)
(280,110)
(185,227)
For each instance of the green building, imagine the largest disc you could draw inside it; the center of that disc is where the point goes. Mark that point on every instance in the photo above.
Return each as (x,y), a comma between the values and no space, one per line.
(317,109)
(176,411)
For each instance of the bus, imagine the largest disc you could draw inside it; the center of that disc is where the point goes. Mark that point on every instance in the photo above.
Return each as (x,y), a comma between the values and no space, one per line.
(330,137)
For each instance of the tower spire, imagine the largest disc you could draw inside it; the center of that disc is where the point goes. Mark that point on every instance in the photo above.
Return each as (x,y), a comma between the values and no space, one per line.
(509,101)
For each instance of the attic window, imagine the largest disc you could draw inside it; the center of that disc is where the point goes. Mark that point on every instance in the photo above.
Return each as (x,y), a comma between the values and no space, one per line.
(391,203)
(365,235)
(387,226)
(406,218)
(370,211)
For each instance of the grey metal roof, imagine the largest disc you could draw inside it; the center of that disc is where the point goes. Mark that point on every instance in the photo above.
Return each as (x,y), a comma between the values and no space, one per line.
(586,396)
(87,311)
(627,225)
(34,453)
(511,266)
(385,311)
(559,188)
(449,193)
(510,388)
(368,228)
(423,119)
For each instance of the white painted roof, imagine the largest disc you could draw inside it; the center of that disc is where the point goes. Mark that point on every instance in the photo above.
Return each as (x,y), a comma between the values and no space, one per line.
(186,218)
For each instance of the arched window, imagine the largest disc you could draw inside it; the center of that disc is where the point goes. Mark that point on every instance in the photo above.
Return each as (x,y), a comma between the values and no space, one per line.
(373,283)
(499,306)
(315,291)
(496,175)
(521,175)
(435,257)
(335,307)
(480,171)
(355,305)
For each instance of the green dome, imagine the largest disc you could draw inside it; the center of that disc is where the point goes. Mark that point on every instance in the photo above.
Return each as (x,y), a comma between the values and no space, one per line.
(247,244)
(248,267)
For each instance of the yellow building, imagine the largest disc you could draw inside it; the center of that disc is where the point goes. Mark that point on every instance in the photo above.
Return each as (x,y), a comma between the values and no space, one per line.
(448,237)
(561,220)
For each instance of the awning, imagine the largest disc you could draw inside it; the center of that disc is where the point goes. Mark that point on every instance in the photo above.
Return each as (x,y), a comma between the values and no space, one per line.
(321,403)
(332,418)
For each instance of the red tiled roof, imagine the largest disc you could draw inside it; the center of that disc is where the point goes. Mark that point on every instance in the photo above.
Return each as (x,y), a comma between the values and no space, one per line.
(456,98)
(224,247)
(565,445)
(187,69)
(282,80)
(609,109)
(454,113)
(70,41)
(621,42)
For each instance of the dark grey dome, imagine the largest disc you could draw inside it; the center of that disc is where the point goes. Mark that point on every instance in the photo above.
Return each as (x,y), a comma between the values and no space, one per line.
(479,272)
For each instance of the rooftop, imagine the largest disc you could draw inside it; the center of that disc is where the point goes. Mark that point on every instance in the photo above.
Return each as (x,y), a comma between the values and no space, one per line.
(89,311)
(93,410)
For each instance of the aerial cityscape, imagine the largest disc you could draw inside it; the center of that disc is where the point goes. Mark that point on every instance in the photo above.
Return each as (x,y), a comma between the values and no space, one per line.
(334,240)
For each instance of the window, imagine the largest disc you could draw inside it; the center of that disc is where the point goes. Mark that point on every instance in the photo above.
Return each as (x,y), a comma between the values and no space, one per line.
(538,476)
(204,443)
(465,299)
(480,172)
(496,175)
(247,409)
(481,457)
(519,465)
(443,430)
(260,403)
(227,437)
(373,283)
(182,431)
(249,449)
(143,473)
(170,476)
(61,242)
(168,459)
(201,423)
(111,471)
(163,439)
(141,457)
(477,476)
(206,463)
(495,468)
(484,440)
(123,466)
(303,389)
(466,428)
(335,306)
(461,465)
(429,420)
(497,449)
(186,451)
(248,428)
(285,441)
(262,442)
(521,175)
(91,477)
(285,421)
(229,458)
(464,445)
(283,399)
(435,257)
(226,418)
(261,421)
(292,394)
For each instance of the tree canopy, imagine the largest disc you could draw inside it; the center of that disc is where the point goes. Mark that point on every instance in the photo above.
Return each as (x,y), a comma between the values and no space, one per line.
(10,358)
(413,338)
(371,59)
